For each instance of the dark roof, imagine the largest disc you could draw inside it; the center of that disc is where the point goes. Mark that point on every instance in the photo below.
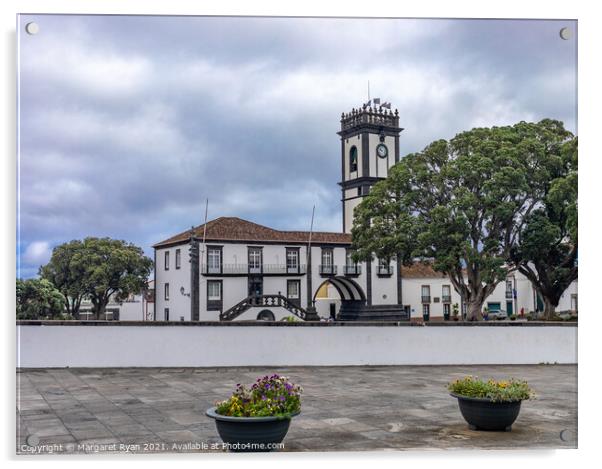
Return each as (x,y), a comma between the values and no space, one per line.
(237,229)
(420,270)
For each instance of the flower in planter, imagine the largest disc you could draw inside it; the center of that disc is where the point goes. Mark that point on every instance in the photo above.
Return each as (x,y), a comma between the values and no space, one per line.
(270,396)
(496,391)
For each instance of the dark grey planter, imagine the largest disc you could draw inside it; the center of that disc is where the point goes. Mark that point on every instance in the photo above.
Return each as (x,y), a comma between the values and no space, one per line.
(485,414)
(250,433)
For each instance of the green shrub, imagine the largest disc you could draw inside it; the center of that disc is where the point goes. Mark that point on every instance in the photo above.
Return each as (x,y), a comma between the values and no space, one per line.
(289,319)
(270,396)
(498,391)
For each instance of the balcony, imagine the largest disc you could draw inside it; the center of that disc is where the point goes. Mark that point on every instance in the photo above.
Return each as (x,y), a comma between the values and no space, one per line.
(327,270)
(384,270)
(352,270)
(246,269)
(426,299)
(446,298)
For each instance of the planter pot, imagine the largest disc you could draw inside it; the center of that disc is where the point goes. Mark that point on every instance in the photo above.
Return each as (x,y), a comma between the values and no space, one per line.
(250,433)
(456,318)
(485,414)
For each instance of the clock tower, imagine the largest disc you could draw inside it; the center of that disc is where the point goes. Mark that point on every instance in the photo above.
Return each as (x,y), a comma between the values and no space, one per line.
(369,147)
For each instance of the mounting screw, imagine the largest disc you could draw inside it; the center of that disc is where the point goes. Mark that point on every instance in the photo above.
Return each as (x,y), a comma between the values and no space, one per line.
(32,28)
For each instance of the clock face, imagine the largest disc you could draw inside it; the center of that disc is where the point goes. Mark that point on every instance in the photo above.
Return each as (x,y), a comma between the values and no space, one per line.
(382,151)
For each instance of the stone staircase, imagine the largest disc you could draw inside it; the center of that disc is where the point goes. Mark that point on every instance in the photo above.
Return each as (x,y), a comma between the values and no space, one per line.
(357,311)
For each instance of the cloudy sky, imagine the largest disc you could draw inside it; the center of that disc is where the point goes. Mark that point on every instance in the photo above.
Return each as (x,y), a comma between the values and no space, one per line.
(127,124)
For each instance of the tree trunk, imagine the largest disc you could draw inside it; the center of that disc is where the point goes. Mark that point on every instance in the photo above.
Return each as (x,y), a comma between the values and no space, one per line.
(100,306)
(473,309)
(549,308)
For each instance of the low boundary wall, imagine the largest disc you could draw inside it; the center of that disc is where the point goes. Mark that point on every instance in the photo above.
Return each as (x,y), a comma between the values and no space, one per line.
(57,344)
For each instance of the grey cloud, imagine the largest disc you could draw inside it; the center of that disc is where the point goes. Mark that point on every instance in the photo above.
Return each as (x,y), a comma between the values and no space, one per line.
(129,123)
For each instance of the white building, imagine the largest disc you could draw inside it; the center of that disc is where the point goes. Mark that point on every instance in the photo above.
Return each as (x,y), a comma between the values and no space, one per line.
(136,307)
(245,271)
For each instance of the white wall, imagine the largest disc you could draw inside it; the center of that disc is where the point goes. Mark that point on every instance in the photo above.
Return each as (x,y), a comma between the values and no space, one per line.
(565,300)
(411,293)
(178,304)
(286,345)
(132,310)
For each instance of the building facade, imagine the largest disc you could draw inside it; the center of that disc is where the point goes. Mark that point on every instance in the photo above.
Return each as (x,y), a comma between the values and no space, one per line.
(233,269)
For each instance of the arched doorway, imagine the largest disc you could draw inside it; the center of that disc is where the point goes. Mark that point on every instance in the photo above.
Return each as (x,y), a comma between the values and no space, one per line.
(266,315)
(335,293)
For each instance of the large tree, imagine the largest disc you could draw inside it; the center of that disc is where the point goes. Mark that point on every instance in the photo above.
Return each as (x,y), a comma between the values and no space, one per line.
(38,299)
(461,204)
(66,272)
(98,268)
(547,250)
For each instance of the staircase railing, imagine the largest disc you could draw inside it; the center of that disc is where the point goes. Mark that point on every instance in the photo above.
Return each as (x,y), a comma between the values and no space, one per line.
(255,301)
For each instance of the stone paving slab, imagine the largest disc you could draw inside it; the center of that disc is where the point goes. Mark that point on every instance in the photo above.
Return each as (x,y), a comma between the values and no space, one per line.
(362,408)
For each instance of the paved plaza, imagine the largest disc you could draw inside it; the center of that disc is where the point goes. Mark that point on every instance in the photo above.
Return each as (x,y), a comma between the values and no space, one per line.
(361,408)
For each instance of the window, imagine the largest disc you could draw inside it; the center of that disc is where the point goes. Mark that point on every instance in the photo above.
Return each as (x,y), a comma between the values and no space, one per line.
(574,304)
(426,293)
(351,267)
(384,267)
(166,260)
(255,261)
(353,159)
(166,291)
(178,259)
(166,313)
(349,257)
(214,260)
(446,294)
(214,295)
(509,289)
(292,260)
(446,309)
(214,290)
(327,267)
(426,309)
(327,257)
(293,289)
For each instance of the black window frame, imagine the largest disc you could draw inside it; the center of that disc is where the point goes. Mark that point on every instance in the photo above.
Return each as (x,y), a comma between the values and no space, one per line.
(425,299)
(166,291)
(297,300)
(327,269)
(213,305)
(297,269)
(166,260)
(255,249)
(383,268)
(178,259)
(353,165)
(221,259)
(445,298)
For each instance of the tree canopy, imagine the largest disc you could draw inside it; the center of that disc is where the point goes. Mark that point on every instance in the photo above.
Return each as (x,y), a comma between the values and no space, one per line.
(38,299)
(547,249)
(462,204)
(97,268)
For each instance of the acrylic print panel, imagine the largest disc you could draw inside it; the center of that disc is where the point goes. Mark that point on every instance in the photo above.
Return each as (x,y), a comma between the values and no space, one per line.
(183,180)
